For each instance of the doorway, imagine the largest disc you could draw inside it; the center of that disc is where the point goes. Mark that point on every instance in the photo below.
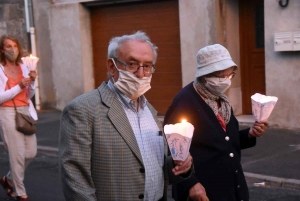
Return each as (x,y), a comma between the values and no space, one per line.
(252,51)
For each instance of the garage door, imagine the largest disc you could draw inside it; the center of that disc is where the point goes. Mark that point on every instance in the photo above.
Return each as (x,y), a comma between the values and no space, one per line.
(160,20)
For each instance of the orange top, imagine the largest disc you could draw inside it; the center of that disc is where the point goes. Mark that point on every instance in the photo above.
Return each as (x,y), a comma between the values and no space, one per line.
(21,98)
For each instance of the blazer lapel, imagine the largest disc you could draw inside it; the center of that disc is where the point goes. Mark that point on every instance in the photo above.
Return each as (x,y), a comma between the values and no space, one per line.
(118,117)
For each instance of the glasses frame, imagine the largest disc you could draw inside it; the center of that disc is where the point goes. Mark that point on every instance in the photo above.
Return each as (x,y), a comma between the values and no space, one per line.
(222,79)
(125,65)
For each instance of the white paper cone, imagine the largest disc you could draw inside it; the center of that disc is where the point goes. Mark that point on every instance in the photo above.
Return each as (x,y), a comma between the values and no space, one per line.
(179,137)
(179,146)
(262,106)
(31,62)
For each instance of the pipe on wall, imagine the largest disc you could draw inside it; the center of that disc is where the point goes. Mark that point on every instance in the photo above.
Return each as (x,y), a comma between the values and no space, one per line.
(30,28)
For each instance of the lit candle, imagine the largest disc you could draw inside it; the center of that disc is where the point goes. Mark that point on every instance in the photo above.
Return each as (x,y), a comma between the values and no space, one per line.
(184,126)
(30,61)
(179,137)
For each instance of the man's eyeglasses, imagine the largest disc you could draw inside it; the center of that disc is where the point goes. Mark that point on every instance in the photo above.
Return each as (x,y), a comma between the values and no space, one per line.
(134,66)
(222,79)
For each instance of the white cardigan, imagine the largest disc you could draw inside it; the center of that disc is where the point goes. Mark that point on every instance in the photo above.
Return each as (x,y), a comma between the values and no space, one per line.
(10,93)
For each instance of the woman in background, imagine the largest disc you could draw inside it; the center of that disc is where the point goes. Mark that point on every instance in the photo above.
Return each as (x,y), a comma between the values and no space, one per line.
(17,83)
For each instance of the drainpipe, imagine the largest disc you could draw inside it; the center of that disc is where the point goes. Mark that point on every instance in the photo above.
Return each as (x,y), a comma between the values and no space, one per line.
(30,28)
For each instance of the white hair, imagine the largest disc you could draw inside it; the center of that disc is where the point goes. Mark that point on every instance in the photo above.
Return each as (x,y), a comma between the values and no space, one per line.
(116,42)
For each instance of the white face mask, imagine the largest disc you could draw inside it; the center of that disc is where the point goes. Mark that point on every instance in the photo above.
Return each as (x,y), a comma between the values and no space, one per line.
(216,87)
(132,86)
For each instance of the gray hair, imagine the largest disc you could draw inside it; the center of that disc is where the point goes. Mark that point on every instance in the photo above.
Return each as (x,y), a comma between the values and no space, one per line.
(116,42)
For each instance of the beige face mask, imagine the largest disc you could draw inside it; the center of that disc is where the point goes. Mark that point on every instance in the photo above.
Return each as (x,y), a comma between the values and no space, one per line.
(130,85)
(11,54)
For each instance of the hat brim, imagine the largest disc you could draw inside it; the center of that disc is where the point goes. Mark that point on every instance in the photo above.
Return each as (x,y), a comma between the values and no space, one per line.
(213,67)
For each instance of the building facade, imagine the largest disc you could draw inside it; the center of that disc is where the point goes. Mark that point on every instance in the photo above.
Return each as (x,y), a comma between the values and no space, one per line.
(72,38)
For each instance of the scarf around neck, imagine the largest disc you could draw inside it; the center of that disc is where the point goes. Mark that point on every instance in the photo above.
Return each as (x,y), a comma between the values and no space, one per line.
(212,101)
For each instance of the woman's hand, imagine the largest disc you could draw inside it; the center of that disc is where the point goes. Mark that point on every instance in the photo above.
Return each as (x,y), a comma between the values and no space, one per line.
(32,75)
(25,82)
(183,166)
(258,129)
(198,193)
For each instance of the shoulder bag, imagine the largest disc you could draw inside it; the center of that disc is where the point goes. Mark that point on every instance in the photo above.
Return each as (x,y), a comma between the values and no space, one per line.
(24,123)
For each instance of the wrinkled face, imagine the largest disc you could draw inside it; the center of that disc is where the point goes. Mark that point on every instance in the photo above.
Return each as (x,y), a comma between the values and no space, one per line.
(132,51)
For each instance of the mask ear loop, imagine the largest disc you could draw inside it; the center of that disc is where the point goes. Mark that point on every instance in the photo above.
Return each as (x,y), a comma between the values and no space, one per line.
(115,64)
(115,67)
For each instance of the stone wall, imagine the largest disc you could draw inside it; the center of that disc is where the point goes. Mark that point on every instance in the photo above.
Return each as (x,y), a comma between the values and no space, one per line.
(12,21)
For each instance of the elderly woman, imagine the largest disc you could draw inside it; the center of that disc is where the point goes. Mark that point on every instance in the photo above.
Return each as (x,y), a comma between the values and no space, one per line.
(16,89)
(217,141)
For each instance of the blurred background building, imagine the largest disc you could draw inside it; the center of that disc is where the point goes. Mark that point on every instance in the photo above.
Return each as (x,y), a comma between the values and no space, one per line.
(72,36)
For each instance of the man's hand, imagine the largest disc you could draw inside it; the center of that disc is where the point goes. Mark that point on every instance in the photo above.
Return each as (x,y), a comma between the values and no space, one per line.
(183,166)
(198,193)
(258,129)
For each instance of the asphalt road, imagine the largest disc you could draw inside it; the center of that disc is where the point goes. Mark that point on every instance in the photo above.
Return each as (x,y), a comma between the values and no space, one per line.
(272,194)
(276,154)
(41,178)
(42,183)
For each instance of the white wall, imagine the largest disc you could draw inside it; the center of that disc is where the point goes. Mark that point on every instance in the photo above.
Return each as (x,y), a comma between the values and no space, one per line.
(282,68)
(231,41)
(44,52)
(197,21)
(65,49)
(207,22)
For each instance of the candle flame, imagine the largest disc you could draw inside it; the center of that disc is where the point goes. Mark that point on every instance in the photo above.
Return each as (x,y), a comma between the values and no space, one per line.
(184,121)
(32,57)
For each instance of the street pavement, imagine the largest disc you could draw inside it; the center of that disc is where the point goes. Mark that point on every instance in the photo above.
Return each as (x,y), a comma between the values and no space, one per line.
(274,160)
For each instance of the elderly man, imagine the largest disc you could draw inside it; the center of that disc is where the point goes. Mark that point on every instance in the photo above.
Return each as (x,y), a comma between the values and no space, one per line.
(111,145)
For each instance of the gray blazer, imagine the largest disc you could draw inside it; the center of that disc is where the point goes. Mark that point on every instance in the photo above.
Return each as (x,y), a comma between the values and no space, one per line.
(99,158)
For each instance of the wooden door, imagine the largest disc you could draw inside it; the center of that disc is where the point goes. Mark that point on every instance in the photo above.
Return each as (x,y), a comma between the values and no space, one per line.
(160,21)
(252,50)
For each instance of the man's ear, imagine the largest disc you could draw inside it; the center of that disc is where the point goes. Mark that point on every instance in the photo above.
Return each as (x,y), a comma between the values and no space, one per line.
(110,67)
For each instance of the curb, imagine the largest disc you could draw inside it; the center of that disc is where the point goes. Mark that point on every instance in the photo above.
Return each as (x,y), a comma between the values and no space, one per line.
(50,151)
(273,181)
(250,177)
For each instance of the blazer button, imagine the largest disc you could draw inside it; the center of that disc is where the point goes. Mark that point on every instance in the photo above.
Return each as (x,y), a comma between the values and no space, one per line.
(231,155)
(227,138)
(142,170)
(141,196)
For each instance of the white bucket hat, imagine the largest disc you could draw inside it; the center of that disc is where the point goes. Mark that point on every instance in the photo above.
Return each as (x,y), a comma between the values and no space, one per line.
(213,58)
